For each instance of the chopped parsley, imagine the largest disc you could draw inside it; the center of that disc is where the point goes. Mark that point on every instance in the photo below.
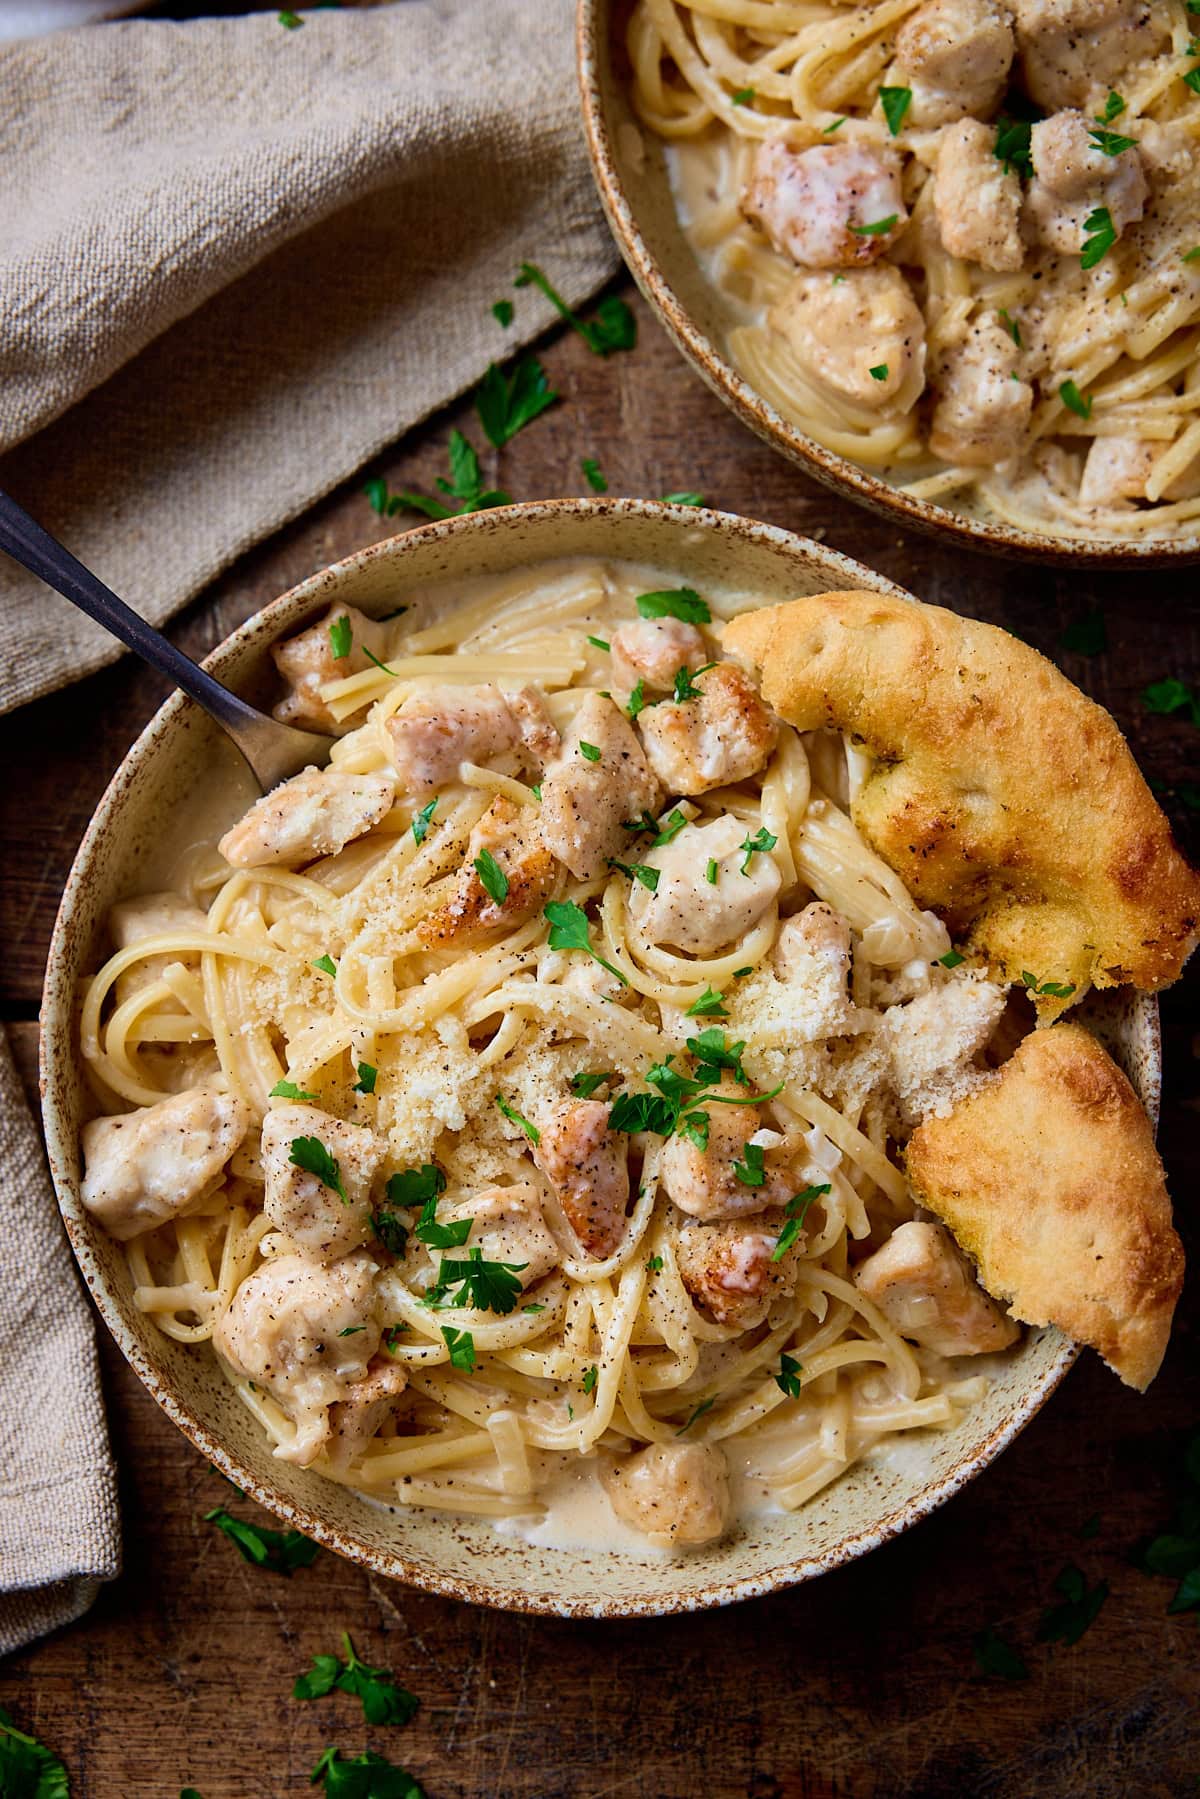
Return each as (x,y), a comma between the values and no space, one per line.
(289,1090)
(743,97)
(569,930)
(600,643)
(492,877)
(594,475)
(1114,106)
(1080,1607)
(390,1335)
(391,1231)
(515,1117)
(994,1656)
(951,959)
(1012,146)
(636,703)
(709,1005)
(685,688)
(351,1330)
(895,102)
(376,491)
(590,1378)
(711,872)
(1100,234)
(1192,255)
(507,403)
(440,1236)
(612,328)
(638,871)
(291,21)
(461,1345)
(683,499)
(669,830)
(654,1265)
(502,312)
(634,1112)
(585,1083)
(879,372)
(1192,79)
(788,1379)
(280,1551)
(797,1211)
(877,227)
(372,657)
(1169,696)
(713,1050)
(310,1155)
(1010,325)
(416,1186)
(367,1077)
(675,602)
(671,1108)
(487,1286)
(706,1405)
(1110,143)
(28,1770)
(1087,636)
(366,1776)
(1071,397)
(1175,1551)
(758,844)
(465,485)
(420,824)
(341,638)
(589,751)
(383,1702)
(750,1170)
(1046,989)
(832,125)
(326,964)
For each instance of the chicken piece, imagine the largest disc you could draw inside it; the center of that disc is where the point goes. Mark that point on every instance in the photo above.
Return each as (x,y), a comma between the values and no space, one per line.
(587,1166)
(1072,178)
(316,813)
(818,206)
(1073,51)
(588,799)
(983,407)
(653,650)
(923,1285)
(724,736)
(812,953)
(1118,468)
(440,728)
(956,55)
(672,1492)
(152,915)
(727,1268)
(353,1421)
(704,1182)
(976,199)
(306,662)
(840,330)
(1003,798)
(510,834)
(307,1332)
(934,1040)
(1048,1177)
(144,1167)
(1167,147)
(316,1216)
(693,913)
(509,1227)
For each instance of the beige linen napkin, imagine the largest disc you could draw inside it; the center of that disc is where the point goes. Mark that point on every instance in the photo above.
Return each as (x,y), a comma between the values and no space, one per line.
(59,1534)
(235,262)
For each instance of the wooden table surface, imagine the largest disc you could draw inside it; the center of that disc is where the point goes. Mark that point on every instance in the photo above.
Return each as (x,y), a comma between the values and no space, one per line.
(862,1683)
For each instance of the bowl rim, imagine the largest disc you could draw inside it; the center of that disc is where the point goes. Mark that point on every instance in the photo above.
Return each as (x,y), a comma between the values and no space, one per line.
(57,1028)
(593,30)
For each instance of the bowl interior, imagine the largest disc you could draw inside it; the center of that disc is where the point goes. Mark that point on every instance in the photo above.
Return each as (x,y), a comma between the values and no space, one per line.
(630,167)
(180,758)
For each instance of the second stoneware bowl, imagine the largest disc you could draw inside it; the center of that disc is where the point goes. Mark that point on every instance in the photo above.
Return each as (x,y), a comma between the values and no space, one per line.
(174,773)
(629,162)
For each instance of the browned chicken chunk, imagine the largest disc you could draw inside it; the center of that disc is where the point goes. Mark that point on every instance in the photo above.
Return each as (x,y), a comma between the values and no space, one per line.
(509,834)
(306,662)
(316,813)
(728,1268)
(598,784)
(726,735)
(924,1287)
(587,1166)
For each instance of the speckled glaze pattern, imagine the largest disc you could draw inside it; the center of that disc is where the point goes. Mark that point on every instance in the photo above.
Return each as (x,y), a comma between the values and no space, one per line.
(628,163)
(463,1557)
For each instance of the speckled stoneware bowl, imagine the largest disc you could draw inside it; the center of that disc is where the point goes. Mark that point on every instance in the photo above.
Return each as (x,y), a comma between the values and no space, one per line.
(159,779)
(630,169)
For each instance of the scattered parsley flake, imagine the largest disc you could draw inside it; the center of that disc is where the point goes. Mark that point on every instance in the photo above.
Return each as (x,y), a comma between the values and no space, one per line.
(709,1005)
(654,1265)
(464,485)
(669,830)
(589,751)
(797,1211)
(440,1236)
(569,930)
(1071,397)
(683,603)
(710,873)
(636,703)
(1087,636)
(352,1330)
(341,638)
(879,372)
(833,125)
(290,21)
(612,328)
(326,964)
(1110,143)
(533,1307)
(1012,146)
(634,1112)
(487,1286)
(994,1656)
(28,1770)
(750,1171)
(366,1776)
(877,227)
(638,871)
(739,974)
(762,841)
(706,1405)
(1010,325)
(420,824)
(280,1551)
(372,657)
(367,1077)
(1192,79)
(594,475)
(515,1117)
(685,687)
(383,1702)
(600,643)
(743,97)
(1080,1608)
(1046,989)
(507,403)
(951,959)
(1114,106)
(289,1090)
(895,102)
(461,1345)
(1100,234)
(788,1379)
(311,1156)
(585,1083)
(590,1378)
(492,877)
(502,312)
(391,1231)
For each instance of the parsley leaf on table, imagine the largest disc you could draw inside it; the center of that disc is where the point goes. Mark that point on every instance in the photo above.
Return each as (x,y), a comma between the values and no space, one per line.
(280,1551)
(383,1702)
(28,1770)
(1087,636)
(365,1776)
(994,1656)
(1169,696)
(612,328)
(1080,1607)
(507,403)
(465,485)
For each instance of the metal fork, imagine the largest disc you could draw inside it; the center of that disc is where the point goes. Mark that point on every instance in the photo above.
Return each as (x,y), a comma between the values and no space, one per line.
(273,751)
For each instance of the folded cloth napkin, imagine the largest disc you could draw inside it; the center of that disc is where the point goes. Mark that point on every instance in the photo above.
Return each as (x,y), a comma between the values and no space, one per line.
(59,1534)
(236,260)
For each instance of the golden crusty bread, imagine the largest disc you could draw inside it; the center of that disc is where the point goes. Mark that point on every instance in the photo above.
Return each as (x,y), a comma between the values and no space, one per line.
(1049,1178)
(1005,799)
